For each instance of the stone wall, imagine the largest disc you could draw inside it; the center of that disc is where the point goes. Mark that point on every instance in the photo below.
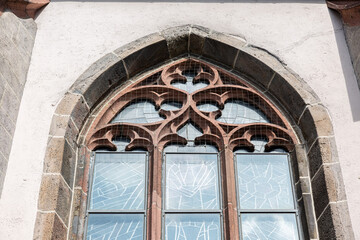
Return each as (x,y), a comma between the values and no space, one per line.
(16,42)
(352,34)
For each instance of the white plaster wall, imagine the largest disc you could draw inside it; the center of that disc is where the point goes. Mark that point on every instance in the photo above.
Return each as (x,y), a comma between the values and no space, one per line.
(73,35)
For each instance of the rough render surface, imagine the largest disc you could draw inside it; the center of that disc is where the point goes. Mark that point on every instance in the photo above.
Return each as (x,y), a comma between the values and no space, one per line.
(17,38)
(77,34)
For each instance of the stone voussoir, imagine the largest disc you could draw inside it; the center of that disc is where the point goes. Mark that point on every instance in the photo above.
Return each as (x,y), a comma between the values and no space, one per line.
(143,53)
(315,122)
(177,39)
(55,195)
(197,39)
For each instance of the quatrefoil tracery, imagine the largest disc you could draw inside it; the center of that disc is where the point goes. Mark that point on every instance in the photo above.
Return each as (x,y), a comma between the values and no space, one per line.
(159,89)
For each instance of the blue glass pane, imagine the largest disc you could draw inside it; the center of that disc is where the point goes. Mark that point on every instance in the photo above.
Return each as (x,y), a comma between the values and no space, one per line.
(139,112)
(115,227)
(189,86)
(192,227)
(264,182)
(275,226)
(238,112)
(189,132)
(118,181)
(207,107)
(192,181)
(171,106)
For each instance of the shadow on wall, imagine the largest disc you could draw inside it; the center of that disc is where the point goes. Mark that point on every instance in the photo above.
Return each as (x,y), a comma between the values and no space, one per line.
(347,68)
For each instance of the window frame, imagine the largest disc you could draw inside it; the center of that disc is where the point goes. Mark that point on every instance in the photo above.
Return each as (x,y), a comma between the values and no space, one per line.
(268,211)
(114,211)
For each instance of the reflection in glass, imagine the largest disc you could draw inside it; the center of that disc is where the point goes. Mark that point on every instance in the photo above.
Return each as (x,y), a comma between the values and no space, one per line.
(264,182)
(239,112)
(207,107)
(191,181)
(189,86)
(192,227)
(275,226)
(139,112)
(189,132)
(171,106)
(118,181)
(115,227)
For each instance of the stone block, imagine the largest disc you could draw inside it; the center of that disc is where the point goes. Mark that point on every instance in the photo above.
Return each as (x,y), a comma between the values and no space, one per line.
(322,151)
(197,38)
(63,126)
(143,53)
(73,105)
(5,142)
(352,34)
(177,39)
(101,77)
(302,160)
(55,195)
(24,41)
(30,25)
(78,217)
(6,122)
(335,223)
(327,186)
(2,180)
(49,226)
(309,216)
(7,75)
(10,104)
(305,184)
(9,23)
(2,81)
(221,48)
(314,123)
(83,167)
(60,158)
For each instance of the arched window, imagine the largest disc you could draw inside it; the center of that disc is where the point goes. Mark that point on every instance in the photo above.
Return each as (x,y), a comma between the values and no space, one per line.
(191,151)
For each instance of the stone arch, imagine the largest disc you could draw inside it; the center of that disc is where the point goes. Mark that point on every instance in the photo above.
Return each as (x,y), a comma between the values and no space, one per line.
(63,189)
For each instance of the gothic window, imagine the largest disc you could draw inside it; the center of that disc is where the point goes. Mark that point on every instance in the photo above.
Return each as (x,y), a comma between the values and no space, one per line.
(191,151)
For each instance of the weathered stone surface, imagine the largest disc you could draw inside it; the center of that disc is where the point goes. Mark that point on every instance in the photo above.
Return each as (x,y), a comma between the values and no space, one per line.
(302,161)
(7,75)
(79,211)
(327,187)
(221,48)
(9,23)
(11,104)
(309,216)
(73,105)
(305,184)
(60,158)
(315,122)
(322,151)
(2,82)
(29,25)
(177,39)
(49,226)
(6,122)
(2,178)
(63,126)
(105,74)
(5,142)
(55,195)
(143,53)
(197,39)
(320,192)
(335,223)
(24,41)
(352,34)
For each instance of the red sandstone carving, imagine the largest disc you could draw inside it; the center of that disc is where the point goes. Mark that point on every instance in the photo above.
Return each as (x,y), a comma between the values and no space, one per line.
(22,8)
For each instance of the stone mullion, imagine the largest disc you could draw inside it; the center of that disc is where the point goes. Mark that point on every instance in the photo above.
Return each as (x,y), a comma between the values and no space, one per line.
(154,213)
(231,225)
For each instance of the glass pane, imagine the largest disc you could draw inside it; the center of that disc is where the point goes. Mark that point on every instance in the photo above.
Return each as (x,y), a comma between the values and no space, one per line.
(192,227)
(118,181)
(189,86)
(239,112)
(261,226)
(190,132)
(115,227)
(171,106)
(264,182)
(190,147)
(192,181)
(139,112)
(207,107)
